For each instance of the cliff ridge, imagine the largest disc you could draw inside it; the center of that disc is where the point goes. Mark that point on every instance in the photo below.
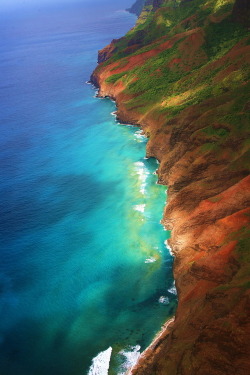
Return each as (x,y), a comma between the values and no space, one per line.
(182,74)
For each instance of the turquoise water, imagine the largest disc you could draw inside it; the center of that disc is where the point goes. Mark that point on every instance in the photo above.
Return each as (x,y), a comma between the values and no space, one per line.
(83,260)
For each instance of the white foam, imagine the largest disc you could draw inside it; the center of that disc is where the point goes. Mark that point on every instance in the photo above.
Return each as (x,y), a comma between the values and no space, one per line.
(100,364)
(139,207)
(173,290)
(150,260)
(139,164)
(139,136)
(130,356)
(143,173)
(169,248)
(164,300)
(143,189)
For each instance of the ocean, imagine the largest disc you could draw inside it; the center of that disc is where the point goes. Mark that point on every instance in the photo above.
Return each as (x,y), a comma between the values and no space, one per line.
(85,277)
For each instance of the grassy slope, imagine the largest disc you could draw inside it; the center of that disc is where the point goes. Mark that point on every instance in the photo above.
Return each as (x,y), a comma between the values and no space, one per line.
(207,61)
(186,72)
(183,74)
(187,62)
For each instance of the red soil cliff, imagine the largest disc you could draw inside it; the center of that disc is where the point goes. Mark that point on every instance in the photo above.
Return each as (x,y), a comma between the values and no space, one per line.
(203,153)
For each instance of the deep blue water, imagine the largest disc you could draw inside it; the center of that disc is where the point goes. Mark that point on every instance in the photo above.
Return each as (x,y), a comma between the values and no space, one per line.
(83,261)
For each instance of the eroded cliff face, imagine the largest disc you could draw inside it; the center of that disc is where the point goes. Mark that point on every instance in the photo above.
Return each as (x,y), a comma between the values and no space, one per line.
(182,74)
(137,7)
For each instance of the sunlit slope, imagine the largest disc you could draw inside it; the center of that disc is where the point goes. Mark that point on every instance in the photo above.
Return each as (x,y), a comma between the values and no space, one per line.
(182,73)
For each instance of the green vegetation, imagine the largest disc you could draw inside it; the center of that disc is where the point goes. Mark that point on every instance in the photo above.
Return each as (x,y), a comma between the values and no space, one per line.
(217,132)
(173,71)
(115,77)
(241,279)
(187,64)
(222,36)
(209,147)
(214,199)
(190,55)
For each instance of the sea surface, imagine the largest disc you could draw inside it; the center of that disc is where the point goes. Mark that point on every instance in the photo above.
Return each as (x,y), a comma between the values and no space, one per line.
(84,272)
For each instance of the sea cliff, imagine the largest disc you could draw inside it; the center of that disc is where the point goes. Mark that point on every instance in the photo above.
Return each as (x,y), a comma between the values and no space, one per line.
(182,75)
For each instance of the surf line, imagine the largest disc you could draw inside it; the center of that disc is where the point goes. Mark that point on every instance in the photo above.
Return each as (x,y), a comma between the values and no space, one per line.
(100,363)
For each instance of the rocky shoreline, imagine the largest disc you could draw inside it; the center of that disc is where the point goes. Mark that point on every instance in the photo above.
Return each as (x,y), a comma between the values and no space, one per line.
(204,262)
(208,214)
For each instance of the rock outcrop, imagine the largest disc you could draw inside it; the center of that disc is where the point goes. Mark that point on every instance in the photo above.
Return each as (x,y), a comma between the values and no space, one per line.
(183,76)
(107,52)
(136,8)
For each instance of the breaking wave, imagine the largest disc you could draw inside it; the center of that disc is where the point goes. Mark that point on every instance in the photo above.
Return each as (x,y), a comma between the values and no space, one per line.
(100,364)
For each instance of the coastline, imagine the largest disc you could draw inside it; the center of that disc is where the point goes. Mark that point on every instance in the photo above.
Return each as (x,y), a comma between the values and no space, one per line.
(205,257)
(147,354)
(166,328)
(164,332)
(208,214)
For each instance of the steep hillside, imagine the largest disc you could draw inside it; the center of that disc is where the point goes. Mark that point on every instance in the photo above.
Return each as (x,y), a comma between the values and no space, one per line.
(137,7)
(182,74)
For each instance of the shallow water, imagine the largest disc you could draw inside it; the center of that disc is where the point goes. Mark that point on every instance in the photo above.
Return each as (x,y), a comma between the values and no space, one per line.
(83,262)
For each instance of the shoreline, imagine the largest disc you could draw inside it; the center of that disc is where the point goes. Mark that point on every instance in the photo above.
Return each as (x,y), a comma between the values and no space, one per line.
(166,327)
(156,342)
(200,242)
(207,209)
